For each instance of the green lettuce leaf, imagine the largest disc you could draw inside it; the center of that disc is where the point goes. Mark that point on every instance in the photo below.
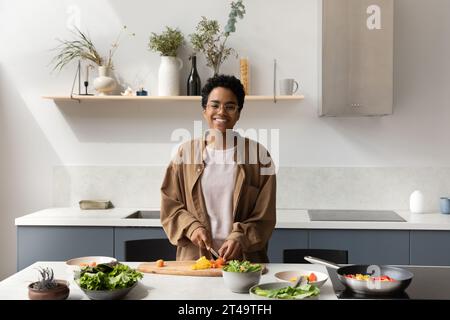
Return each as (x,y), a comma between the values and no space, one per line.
(107,277)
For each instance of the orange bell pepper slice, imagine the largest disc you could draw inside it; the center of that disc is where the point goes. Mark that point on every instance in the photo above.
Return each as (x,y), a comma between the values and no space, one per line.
(312,277)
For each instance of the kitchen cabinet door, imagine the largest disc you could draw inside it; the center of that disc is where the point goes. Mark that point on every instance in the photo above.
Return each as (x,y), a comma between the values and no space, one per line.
(52,243)
(431,248)
(365,246)
(357,57)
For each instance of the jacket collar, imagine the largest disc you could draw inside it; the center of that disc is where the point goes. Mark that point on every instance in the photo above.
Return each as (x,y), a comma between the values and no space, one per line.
(238,141)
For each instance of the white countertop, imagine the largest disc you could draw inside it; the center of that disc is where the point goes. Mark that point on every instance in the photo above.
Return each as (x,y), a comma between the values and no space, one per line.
(76,217)
(286,219)
(155,286)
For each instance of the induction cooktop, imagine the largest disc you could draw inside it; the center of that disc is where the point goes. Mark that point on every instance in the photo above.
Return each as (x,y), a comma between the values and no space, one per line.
(354,215)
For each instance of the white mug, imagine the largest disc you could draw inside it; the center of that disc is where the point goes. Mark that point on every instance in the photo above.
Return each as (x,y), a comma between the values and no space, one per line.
(288,87)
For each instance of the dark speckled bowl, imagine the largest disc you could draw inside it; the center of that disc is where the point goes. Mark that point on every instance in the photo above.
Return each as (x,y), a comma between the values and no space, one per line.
(108,294)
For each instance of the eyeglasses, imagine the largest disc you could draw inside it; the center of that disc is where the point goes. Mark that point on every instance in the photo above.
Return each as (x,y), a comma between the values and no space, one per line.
(229,108)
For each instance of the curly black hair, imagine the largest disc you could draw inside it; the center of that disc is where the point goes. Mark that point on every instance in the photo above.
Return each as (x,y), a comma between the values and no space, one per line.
(225,81)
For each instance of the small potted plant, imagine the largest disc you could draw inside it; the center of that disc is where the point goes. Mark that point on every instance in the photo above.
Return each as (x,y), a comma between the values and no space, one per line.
(82,47)
(167,44)
(209,40)
(47,287)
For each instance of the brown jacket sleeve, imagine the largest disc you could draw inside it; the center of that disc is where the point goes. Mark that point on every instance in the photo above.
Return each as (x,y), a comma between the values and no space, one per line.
(254,232)
(177,222)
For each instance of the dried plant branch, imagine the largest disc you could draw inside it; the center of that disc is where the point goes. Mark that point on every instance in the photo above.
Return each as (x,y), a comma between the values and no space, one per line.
(211,42)
(82,48)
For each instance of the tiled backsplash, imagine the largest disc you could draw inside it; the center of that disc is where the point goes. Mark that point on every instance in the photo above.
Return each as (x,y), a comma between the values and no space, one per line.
(379,188)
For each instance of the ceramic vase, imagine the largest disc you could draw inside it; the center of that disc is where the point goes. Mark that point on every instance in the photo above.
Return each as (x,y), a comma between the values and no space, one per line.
(417,202)
(104,84)
(169,76)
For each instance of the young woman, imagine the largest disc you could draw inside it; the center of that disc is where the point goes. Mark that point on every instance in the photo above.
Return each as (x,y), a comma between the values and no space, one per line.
(220,190)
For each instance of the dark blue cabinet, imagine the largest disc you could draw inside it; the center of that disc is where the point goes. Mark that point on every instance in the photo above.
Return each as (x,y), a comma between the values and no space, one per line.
(48,243)
(430,248)
(55,243)
(365,246)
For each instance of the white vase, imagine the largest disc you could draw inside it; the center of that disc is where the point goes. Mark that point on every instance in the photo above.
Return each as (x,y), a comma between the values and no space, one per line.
(417,202)
(169,76)
(104,84)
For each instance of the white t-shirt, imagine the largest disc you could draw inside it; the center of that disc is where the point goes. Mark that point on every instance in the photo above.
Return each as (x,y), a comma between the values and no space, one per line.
(218,182)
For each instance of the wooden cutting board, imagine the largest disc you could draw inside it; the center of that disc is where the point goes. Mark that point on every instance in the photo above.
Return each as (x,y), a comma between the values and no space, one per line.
(180,268)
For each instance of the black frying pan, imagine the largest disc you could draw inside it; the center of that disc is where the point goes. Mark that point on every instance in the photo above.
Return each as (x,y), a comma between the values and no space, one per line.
(401,276)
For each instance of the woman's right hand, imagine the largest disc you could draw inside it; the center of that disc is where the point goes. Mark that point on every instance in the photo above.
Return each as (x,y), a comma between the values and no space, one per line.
(200,238)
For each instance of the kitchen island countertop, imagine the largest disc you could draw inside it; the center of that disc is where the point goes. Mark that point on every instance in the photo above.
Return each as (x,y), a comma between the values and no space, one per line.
(155,286)
(427,284)
(286,219)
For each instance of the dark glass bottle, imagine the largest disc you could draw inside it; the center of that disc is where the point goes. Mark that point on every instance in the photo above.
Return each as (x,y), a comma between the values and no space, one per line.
(194,85)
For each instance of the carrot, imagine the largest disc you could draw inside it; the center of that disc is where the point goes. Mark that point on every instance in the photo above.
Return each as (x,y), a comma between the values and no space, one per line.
(160,263)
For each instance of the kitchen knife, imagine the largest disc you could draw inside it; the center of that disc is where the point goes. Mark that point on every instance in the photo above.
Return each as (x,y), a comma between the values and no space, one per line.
(214,253)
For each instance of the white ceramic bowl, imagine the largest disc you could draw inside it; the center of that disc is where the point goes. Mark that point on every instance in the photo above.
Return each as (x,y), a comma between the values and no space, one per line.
(292,276)
(241,282)
(76,263)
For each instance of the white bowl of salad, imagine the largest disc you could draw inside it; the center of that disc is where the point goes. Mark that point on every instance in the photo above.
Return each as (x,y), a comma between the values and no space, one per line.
(106,281)
(240,276)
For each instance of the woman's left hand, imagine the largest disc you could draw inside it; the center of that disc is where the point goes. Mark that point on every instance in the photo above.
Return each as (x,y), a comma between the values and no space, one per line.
(230,250)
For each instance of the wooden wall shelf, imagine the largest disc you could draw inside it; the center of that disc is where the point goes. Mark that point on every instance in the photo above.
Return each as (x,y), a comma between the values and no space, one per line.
(80,98)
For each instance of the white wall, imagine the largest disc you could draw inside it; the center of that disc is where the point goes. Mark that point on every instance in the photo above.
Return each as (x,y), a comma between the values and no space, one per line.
(140,134)
(26,167)
(37,134)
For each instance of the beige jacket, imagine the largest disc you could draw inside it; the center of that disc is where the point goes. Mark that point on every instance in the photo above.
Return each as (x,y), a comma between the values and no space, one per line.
(183,209)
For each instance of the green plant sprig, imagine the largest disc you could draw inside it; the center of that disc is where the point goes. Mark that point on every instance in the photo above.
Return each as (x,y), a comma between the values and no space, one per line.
(211,42)
(237,10)
(167,43)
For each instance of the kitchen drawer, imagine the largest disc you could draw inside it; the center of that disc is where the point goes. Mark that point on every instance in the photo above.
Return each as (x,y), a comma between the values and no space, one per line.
(430,248)
(365,246)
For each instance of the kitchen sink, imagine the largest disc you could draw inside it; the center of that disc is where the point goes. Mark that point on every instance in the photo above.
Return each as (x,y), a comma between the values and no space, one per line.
(142,214)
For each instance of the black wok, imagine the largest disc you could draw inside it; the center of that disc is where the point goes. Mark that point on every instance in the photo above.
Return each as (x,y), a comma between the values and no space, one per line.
(401,276)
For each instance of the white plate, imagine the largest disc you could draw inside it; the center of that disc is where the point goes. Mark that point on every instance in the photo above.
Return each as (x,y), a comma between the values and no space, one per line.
(271,286)
(77,263)
(291,276)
